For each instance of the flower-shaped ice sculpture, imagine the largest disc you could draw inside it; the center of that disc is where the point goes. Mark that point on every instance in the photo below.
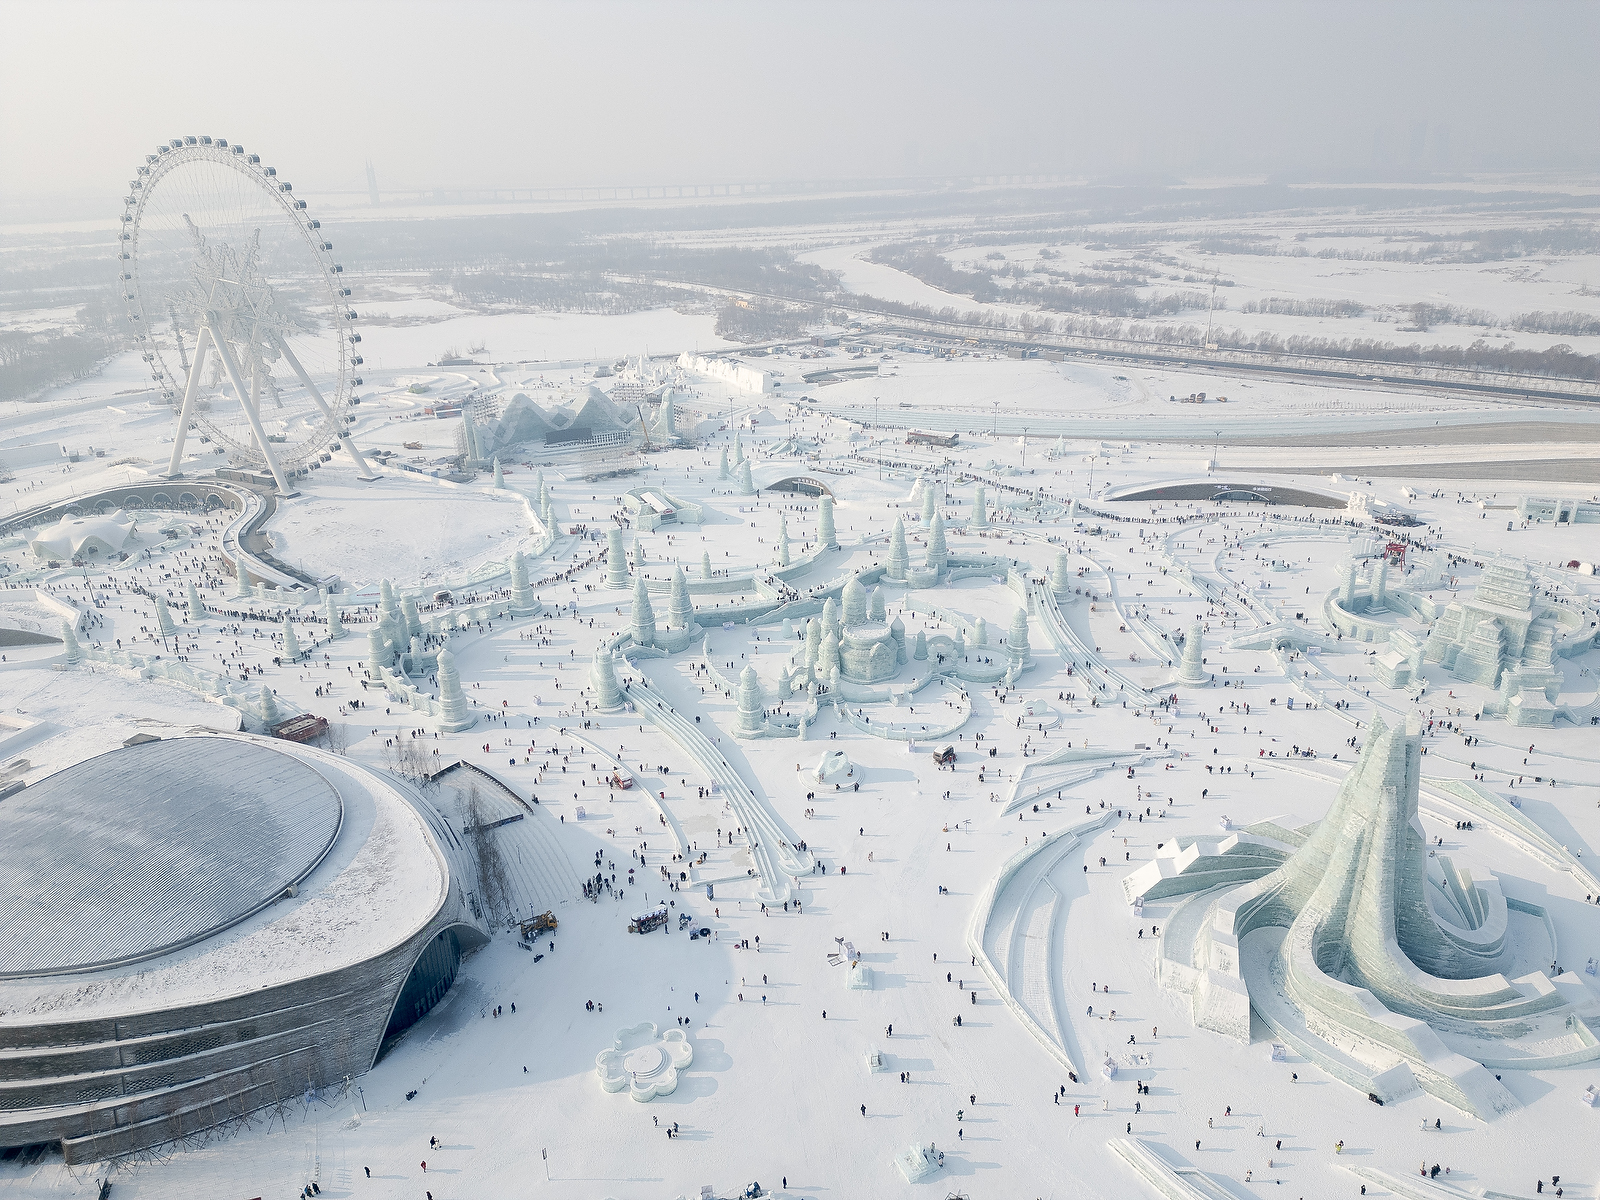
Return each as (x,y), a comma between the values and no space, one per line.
(644,1060)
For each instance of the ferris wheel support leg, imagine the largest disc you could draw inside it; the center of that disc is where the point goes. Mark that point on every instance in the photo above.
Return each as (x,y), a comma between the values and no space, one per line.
(202,343)
(363,471)
(232,367)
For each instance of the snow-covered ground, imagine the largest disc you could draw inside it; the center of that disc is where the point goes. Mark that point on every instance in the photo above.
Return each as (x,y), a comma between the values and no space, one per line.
(412,529)
(776,1088)
(517,337)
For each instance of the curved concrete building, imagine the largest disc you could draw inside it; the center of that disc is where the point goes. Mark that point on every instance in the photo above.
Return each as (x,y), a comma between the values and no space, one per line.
(194,928)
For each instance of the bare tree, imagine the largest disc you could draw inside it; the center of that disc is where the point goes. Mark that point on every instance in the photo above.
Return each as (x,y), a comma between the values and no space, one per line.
(337,738)
(494,886)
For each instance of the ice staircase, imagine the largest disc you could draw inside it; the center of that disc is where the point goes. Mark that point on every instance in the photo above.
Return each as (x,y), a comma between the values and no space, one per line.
(771,843)
(1166,1179)
(1067,768)
(1017,933)
(1095,670)
(1419,1188)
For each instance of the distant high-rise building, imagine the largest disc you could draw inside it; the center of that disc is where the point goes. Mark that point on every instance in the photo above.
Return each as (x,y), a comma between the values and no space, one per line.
(372,185)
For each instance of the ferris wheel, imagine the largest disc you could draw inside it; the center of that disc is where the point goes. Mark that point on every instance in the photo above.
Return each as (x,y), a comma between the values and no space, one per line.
(237,305)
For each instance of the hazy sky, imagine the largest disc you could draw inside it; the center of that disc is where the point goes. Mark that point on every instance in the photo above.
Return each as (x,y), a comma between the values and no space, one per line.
(531,94)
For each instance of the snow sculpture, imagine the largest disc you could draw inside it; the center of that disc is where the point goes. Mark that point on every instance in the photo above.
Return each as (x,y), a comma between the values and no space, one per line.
(786,630)
(377,650)
(899,561)
(603,678)
(616,559)
(335,626)
(451,711)
(705,564)
(1061,575)
(521,594)
(1380,587)
(928,506)
(667,419)
(642,624)
(1503,630)
(980,633)
(197,607)
(917,1162)
(834,764)
(722,468)
(680,613)
(830,617)
(1017,637)
(783,540)
(291,644)
(854,602)
(747,486)
(243,578)
(937,558)
(1072,510)
(825,533)
(738,448)
(644,1061)
(813,642)
(638,552)
(499,477)
(69,642)
(164,625)
(751,717)
(269,707)
(1347,598)
(980,509)
(413,622)
(1379,962)
(921,651)
(1192,671)
(828,654)
(875,608)
(785,683)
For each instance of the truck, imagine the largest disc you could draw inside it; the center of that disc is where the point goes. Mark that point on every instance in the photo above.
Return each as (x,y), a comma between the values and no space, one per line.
(649,920)
(532,928)
(301,729)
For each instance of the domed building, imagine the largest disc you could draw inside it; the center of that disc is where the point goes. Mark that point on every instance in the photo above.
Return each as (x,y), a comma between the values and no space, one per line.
(197,927)
(77,537)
